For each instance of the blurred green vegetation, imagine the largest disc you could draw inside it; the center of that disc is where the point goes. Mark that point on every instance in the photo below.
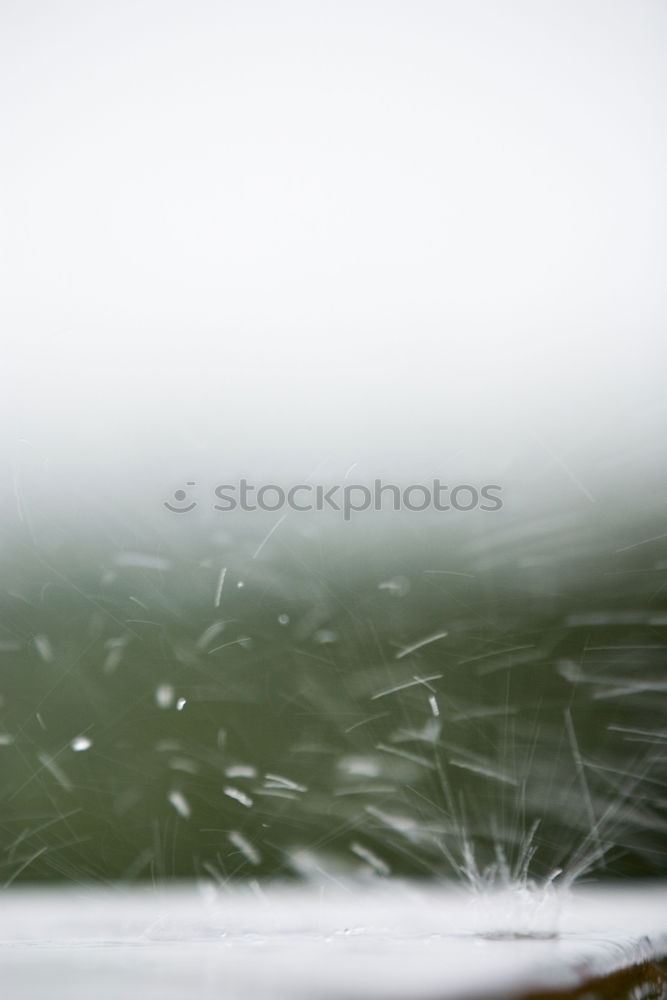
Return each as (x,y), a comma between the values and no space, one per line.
(147,733)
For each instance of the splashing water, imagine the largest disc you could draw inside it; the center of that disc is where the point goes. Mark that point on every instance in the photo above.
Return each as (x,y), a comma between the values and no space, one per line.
(487,707)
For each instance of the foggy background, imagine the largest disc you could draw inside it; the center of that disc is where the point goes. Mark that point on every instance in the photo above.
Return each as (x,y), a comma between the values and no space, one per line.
(265,237)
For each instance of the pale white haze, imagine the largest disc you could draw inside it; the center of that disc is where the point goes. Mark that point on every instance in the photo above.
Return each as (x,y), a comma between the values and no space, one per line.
(265,236)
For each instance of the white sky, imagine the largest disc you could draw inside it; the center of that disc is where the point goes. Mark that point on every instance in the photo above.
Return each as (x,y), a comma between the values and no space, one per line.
(272,234)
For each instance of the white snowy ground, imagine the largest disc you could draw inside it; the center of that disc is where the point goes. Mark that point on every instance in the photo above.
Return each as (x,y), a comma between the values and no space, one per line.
(335,941)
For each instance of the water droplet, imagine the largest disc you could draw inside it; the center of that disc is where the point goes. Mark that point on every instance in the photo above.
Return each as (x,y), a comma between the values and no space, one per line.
(44,647)
(180,804)
(80,743)
(241,771)
(398,586)
(164,695)
(238,796)
(325,635)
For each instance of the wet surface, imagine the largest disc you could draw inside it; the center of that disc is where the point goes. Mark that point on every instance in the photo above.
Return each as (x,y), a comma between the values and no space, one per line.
(351,941)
